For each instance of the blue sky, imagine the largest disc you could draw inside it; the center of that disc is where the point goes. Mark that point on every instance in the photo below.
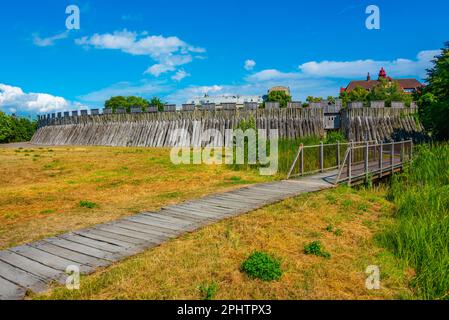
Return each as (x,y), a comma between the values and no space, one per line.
(179,49)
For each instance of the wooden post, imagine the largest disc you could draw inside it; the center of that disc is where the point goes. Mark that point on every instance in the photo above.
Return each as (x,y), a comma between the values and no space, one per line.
(392,157)
(402,153)
(301,162)
(338,155)
(411,150)
(350,164)
(381,161)
(321,156)
(366,158)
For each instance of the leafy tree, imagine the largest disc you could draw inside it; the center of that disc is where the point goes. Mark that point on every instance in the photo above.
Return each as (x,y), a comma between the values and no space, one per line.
(433,100)
(313,99)
(116,102)
(126,102)
(5,128)
(358,94)
(389,91)
(137,102)
(279,96)
(156,102)
(14,129)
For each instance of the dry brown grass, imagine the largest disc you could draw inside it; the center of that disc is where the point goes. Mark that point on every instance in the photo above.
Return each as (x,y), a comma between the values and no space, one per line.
(176,269)
(41,188)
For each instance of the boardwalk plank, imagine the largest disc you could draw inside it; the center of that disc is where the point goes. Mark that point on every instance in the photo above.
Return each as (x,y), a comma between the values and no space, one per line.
(96,253)
(132,233)
(95,236)
(132,242)
(48,259)
(31,266)
(22,278)
(96,244)
(10,291)
(69,254)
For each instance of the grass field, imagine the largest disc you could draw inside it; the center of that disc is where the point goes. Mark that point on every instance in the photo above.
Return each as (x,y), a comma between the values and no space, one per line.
(420,234)
(207,263)
(47,191)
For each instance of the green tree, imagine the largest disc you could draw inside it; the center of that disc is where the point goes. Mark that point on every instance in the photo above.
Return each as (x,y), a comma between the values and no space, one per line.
(116,102)
(433,100)
(126,102)
(313,99)
(136,102)
(389,91)
(279,96)
(5,128)
(156,102)
(358,94)
(14,129)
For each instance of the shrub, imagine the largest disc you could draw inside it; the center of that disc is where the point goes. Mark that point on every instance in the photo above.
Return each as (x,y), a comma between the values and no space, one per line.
(88,204)
(316,249)
(263,266)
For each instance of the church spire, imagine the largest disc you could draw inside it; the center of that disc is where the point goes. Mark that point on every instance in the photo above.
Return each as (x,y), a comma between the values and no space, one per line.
(382,73)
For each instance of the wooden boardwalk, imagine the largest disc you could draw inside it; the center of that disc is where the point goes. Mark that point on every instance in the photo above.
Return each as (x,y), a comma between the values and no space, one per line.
(35,266)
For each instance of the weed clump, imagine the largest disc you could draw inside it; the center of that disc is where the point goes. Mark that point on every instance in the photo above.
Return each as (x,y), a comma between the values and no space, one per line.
(263,266)
(87,204)
(208,290)
(316,248)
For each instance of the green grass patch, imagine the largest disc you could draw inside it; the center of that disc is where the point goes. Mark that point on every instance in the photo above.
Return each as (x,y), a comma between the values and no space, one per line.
(208,290)
(420,234)
(87,204)
(261,265)
(316,248)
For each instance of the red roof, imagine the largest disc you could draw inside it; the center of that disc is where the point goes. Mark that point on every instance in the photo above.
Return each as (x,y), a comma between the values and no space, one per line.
(368,84)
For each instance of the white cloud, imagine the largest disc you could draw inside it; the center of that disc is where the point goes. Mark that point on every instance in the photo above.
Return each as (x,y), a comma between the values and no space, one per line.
(271,74)
(168,52)
(49,41)
(357,69)
(249,64)
(181,74)
(14,99)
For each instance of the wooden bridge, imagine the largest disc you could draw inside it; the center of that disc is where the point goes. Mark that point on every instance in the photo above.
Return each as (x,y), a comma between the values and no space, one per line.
(353,162)
(34,266)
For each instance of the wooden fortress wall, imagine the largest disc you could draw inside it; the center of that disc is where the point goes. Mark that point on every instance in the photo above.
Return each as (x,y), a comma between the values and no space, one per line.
(157,129)
(381,124)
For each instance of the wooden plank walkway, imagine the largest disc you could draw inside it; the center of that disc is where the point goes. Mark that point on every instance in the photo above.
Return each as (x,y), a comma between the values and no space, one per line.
(36,265)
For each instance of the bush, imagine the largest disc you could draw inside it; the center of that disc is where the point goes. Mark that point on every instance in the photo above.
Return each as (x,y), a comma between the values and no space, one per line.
(261,265)
(316,249)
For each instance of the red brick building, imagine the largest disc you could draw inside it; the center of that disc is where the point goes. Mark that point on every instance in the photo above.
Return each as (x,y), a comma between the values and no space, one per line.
(408,85)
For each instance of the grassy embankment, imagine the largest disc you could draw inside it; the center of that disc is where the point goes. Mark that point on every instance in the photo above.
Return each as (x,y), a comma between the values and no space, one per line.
(420,234)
